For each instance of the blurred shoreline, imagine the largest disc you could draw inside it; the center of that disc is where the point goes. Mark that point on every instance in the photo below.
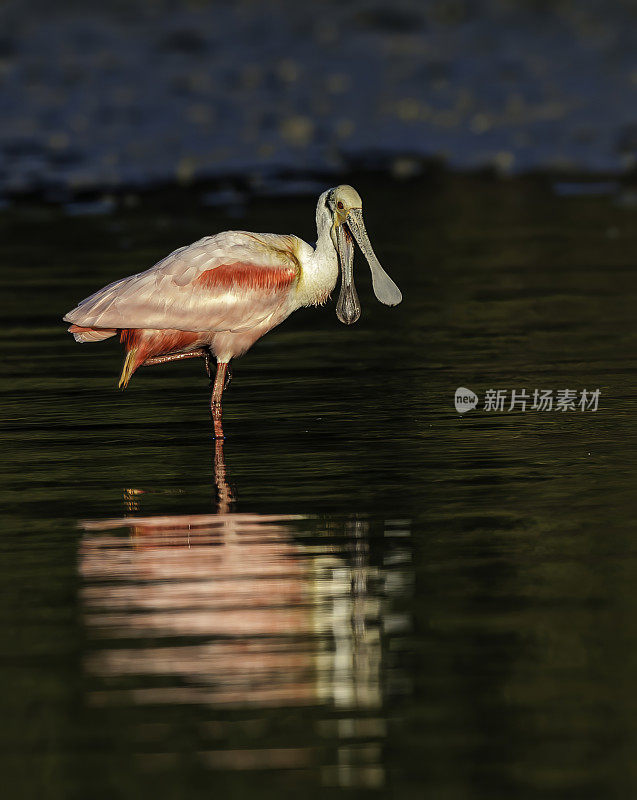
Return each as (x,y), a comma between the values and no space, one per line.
(226,202)
(262,99)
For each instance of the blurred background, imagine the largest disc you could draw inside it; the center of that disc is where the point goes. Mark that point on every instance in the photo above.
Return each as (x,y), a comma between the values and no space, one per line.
(260,97)
(359,592)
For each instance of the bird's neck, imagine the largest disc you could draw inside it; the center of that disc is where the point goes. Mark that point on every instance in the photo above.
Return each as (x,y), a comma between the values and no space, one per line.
(320,270)
(325,248)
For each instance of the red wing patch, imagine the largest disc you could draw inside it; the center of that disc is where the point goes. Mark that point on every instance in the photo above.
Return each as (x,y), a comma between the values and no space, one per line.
(247,276)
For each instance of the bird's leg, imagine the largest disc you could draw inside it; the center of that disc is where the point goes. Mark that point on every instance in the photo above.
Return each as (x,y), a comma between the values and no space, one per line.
(150,362)
(224,492)
(215,400)
(228,380)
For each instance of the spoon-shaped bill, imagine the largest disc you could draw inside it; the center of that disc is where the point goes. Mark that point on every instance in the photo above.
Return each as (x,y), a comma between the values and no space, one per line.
(348,308)
(384,288)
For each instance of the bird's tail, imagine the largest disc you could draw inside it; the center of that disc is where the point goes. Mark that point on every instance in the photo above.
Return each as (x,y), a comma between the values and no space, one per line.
(128,368)
(91,334)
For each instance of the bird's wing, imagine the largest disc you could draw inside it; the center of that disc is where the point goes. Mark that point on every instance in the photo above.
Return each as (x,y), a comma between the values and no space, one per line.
(231,281)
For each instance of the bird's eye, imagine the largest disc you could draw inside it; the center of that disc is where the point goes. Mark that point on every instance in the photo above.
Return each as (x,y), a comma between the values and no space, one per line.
(339,205)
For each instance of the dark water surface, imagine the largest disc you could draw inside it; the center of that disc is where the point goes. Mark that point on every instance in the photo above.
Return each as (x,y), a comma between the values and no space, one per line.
(398,600)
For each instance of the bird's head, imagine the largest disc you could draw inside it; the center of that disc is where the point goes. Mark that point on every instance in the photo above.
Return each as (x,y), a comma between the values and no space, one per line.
(345,208)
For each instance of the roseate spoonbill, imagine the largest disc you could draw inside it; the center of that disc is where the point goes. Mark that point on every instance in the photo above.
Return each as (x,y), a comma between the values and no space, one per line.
(217,296)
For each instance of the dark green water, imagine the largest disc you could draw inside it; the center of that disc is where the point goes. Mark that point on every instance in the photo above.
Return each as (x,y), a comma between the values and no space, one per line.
(401,601)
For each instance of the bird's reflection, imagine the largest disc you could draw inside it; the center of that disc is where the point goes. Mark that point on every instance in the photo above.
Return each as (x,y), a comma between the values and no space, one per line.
(243,611)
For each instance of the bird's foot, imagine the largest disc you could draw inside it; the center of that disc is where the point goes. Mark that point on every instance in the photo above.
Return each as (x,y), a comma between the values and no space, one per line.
(217,429)
(207,360)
